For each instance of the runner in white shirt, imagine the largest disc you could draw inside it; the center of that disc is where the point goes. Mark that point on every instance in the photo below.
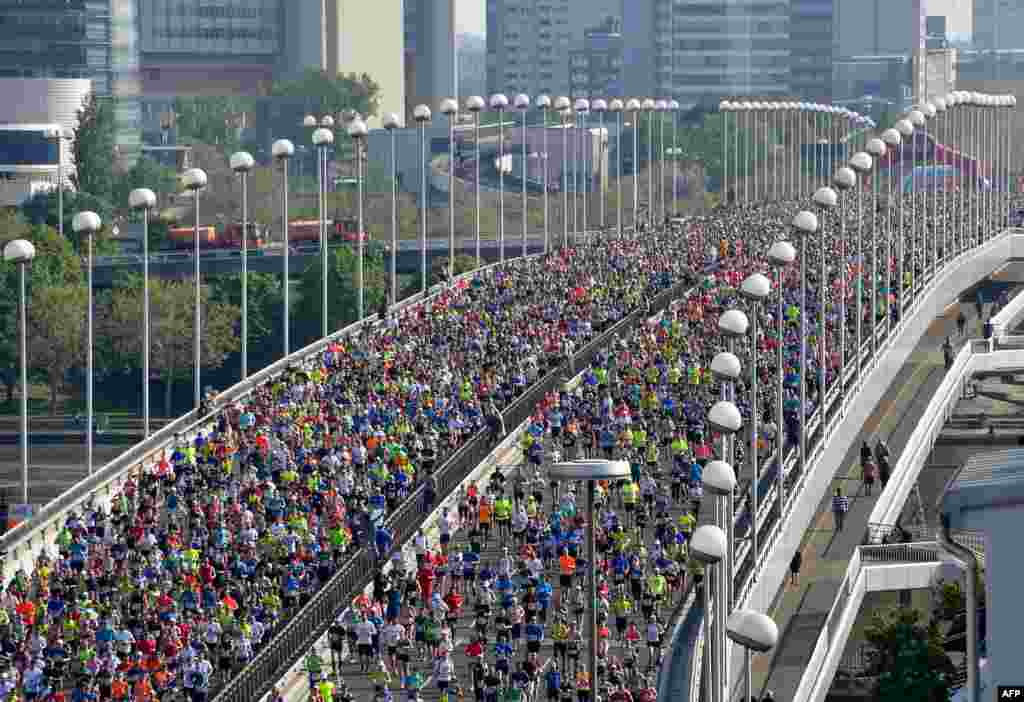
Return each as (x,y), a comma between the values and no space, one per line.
(444,672)
(390,635)
(365,631)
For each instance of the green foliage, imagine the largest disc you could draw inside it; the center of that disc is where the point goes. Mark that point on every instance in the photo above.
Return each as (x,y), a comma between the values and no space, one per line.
(163,181)
(93,147)
(211,120)
(265,300)
(43,209)
(911,665)
(341,288)
(324,94)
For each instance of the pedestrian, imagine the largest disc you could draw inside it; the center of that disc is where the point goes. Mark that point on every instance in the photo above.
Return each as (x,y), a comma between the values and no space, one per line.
(794,568)
(840,506)
(961,323)
(868,471)
(947,353)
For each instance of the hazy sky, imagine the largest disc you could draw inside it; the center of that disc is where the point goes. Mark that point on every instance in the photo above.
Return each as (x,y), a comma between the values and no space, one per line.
(471,14)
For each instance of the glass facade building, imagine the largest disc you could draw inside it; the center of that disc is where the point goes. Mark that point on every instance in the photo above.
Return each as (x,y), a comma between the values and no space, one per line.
(251,27)
(811,48)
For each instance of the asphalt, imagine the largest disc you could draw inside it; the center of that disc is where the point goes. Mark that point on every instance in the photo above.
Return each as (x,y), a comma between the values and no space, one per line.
(52,469)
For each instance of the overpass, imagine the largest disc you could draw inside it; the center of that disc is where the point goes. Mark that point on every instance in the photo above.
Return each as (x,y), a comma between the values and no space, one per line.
(180,264)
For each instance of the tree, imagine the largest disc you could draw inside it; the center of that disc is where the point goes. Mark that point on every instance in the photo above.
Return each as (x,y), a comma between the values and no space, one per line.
(43,209)
(163,181)
(341,288)
(93,147)
(211,120)
(265,300)
(172,316)
(56,334)
(911,664)
(325,94)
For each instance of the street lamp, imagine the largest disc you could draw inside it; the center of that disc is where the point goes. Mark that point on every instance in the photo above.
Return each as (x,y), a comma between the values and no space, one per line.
(242,163)
(906,129)
(323,139)
(661,106)
(844,180)
(861,163)
(582,107)
(60,135)
(421,114)
(144,199)
(522,103)
(648,106)
(87,224)
(194,180)
(563,106)
(391,123)
(21,252)
(805,224)
(450,109)
(544,103)
(357,131)
(475,104)
(633,105)
(877,149)
(616,107)
(600,107)
(754,631)
(591,471)
(709,546)
(781,256)
(673,106)
(498,103)
(282,150)
(825,199)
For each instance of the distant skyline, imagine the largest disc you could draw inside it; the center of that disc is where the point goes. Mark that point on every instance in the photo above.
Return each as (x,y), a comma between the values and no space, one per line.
(471,15)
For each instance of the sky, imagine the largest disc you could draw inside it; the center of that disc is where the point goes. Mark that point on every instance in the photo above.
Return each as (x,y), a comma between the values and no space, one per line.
(471,15)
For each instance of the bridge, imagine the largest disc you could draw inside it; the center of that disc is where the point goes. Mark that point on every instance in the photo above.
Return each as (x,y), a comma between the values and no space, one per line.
(180,264)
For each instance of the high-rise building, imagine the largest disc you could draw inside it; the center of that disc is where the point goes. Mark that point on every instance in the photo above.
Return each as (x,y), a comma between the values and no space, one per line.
(431,61)
(529,41)
(700,52)
(811,49)
(998,24)
(57,39)
(595,68)
(878,27)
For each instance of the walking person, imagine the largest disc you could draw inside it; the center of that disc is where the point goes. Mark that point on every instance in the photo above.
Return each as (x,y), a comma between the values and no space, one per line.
(840,506)
(947,353)
(870,473)
(794,568)
(961,323)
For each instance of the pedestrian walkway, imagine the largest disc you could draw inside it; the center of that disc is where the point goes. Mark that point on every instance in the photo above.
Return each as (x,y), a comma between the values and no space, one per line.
(801,610)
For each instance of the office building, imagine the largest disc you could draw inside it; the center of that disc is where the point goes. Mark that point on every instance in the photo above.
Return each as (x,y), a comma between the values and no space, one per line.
(700,53)
(595,68)
(998,24)
(879,27)
(811,49)
(529,42)
(431,61)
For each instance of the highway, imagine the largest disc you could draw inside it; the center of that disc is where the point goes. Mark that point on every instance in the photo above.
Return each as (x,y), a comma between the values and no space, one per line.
(179,264)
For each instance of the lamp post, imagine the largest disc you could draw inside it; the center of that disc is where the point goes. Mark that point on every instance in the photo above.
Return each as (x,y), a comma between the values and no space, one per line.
(474,104)
(633,105)
(144,199)
(877,149)
(861,163)
(917,120)
(194,180)
(825,199)
(543,102)
(724,108)
(499,103)
(648,106)
(719,480)
(522,103)
(323,139)
(357,131)
(673,106)
(391,123)
(615,106)
(562,105)
(582,108)
(661,106)
(805,224)
(931,251)
(242,163)
(87,224)
(450,109)
(709,546)
(906,130)
(723,417)
(60,135)
(421,114)
(844,180)
(591,471)
(600,107)
(781,256)
(21,252)
(282,150)
(757,633)
(755,288)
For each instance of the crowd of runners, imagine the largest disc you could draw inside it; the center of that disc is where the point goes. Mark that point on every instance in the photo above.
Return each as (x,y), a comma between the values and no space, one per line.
(207,552)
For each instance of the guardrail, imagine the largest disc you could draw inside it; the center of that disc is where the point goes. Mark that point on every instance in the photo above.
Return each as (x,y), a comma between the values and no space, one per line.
(845,408)
(20,547)
(307,625)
